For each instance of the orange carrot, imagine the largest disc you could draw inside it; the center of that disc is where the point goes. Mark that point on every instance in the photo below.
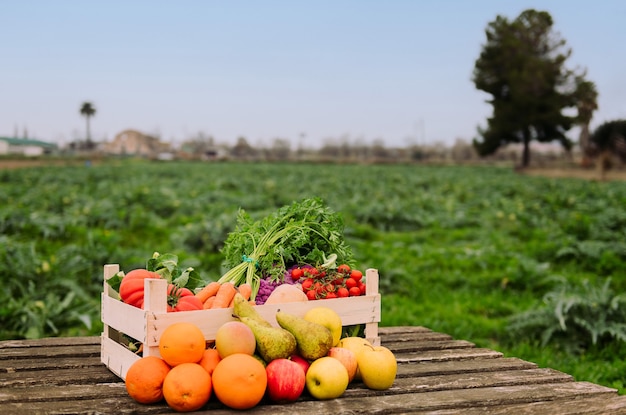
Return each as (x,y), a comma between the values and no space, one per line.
(208,303)
(245,289)
(224,295)
(209,290)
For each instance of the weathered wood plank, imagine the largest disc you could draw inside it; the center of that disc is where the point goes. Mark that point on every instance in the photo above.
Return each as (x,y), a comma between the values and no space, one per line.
(39,364)
(78,350)
(467,381)
(453,399)
(430,368)
(419,346)
(403,329)
(50,341)
(418,336)
(603,405)
(59,377)
(480,400)
(447,355)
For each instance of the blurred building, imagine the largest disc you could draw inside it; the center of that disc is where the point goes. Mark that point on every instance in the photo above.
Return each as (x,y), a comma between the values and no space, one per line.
(135,143)
(25,147)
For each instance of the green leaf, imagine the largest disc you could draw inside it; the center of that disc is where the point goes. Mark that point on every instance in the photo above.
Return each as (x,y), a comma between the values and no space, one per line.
(116,280)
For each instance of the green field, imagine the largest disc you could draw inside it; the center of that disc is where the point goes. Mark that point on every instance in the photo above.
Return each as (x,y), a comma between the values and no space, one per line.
(460,250)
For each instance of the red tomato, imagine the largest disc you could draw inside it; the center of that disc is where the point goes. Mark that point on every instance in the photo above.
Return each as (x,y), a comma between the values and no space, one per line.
(343,268)
(311,295)
(182,299)
(296,274)
(331,295)
(131,287)
(351,282)
(362,287)
(342,292)
(356,275)
(354,291)
(306,284)
(313,272)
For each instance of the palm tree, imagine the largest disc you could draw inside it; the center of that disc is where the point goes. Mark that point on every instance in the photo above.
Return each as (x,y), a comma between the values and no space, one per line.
(87,110)
(586,97)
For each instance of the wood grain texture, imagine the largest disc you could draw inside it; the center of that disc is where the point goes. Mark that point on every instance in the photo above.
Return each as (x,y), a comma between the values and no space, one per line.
(436,375)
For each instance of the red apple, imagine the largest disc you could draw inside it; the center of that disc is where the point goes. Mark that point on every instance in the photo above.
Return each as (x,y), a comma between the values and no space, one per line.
(304,364)
(285,380)
(347,358)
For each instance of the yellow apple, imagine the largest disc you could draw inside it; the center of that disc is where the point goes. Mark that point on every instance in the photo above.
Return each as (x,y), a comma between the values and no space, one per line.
(378,367)
(328,318)
(327,378)
(347,358)
(355,344)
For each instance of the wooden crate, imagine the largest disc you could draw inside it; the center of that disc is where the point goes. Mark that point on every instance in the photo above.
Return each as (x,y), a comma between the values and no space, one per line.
(146,325)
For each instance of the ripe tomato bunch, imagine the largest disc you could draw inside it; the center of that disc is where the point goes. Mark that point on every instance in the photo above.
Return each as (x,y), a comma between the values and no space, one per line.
(321,283)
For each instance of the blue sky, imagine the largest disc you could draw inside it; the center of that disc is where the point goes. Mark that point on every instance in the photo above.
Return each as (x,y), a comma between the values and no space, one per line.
(394,70)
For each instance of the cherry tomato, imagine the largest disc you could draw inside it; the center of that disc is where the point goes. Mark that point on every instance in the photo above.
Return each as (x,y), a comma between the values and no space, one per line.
(296,274)
(306,284)
(342,292)
(343,268)
(311,295)
(354,291)
(331,295)
(351,282)
(356,274)
(313,272)
(362,287)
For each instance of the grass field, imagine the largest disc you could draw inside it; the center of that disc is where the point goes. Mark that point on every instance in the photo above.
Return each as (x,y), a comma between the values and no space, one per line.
(461,250)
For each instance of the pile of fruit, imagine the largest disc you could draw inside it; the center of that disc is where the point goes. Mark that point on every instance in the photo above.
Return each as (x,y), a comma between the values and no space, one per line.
(253,361)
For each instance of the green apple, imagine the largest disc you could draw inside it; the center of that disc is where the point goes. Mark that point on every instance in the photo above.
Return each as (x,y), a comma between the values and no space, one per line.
(327,378)
(328,318)
(378,367)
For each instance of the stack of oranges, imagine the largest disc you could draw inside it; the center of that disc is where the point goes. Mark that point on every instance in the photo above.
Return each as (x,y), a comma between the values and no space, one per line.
(187,374)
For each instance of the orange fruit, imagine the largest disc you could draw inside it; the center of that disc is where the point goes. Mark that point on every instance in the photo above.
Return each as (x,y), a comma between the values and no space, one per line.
(187,387)
(144,379)
(209,360)
(239,381)
(182,343)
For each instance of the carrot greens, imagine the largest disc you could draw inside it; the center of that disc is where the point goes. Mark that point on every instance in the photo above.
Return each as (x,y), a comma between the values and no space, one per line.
(305,232)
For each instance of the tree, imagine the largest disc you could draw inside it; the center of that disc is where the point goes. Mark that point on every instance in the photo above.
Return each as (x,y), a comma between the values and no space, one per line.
(522,67)
(607,140)
(87,110)
(586,96)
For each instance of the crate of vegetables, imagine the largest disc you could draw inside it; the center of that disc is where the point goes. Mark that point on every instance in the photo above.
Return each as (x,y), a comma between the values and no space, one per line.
(293,260)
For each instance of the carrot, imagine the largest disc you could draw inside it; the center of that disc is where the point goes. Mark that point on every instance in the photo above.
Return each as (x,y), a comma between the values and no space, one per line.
(245,289)
(224,295)
(208,303)
(209,290)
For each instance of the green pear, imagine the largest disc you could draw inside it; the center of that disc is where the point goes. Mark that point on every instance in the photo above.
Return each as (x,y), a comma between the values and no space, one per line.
(271,342)
(313,339)
(242,308)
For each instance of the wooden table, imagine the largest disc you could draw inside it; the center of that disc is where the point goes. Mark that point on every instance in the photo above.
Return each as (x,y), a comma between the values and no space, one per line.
(436,375)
